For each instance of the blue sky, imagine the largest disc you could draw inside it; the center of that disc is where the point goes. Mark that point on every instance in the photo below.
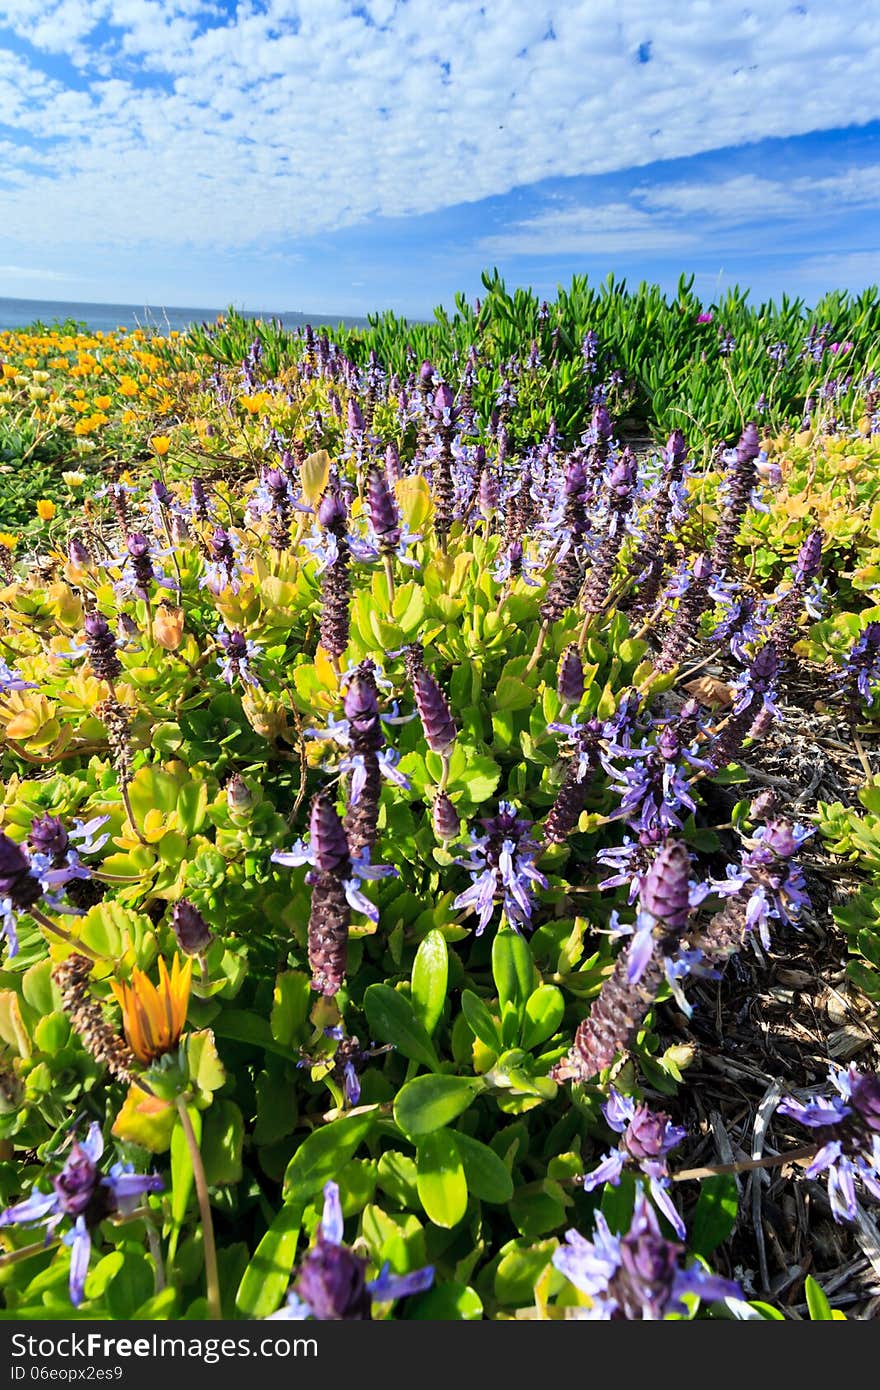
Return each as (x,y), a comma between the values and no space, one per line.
(337,157)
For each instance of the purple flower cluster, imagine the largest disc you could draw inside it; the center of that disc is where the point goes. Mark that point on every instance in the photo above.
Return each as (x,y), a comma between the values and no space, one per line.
(637,1276)
(646,1137)
(502,869)
(332,1286)
(82,1194)
(847,1126)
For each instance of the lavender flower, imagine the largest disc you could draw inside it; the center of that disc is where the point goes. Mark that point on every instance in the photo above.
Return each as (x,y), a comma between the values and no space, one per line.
(20,888)
(82,1195)
(564,814)
(332,1283)
(848,1129)
(768,879)
(239,653)
(501,866)
(55,854)
(794,596)
(646,1137)
(223,569)
(860,668)
(692,588)
(638,1276)
(10,680)
(654,789)
(346,1062)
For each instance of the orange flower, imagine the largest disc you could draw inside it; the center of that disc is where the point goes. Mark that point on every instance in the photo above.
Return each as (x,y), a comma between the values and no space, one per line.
(45,509)
(160,444)
(153,1018)
(168,626)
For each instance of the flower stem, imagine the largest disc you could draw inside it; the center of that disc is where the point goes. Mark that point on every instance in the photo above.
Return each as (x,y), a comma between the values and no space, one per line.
(126,801)
(388,561)
(11,1257)
(539,647)
(212,1278)
(44,921)
(747,1165)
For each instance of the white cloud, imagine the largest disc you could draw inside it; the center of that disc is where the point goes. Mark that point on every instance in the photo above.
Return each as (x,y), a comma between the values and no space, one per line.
(852,270)
(678,216)
(189,125)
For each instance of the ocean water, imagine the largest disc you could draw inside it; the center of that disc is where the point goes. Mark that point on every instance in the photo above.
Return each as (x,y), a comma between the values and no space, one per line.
(19,313)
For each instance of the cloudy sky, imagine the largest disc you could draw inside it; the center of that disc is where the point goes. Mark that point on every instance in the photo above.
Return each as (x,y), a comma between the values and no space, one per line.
(334,156)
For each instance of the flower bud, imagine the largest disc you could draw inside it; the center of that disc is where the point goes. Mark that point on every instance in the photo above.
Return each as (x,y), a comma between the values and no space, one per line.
(48,836)
(570,680)
(190,928)
(447,825)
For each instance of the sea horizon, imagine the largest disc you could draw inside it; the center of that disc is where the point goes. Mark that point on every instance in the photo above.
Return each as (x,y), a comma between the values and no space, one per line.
(21,313)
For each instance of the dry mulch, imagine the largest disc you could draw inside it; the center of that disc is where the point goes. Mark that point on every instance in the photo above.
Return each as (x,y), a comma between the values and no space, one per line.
(770,1027)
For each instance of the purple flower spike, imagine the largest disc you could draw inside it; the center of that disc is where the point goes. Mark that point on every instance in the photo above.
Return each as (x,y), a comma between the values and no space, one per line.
(444,402)
(434,712)
(602,425)
(749,446)
(328,839)
(384,517)
(332,511)
(809,556)
(646,1137)
(665,893)
(392,464)
(570,680)
(101,647)
(77,553)
(82,1195)
(675,452)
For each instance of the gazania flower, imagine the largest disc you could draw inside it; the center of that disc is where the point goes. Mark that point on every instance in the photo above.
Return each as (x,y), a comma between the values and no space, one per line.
(74,478)
(153,1018)
(45,509)
(8,539)
(160,444)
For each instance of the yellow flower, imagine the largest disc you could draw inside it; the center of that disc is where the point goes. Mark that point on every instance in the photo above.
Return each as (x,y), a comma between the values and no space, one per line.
(153,1018)
(8,540)
(161,444)
(45,509)
(74,479)
(103,402)
(129,417)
